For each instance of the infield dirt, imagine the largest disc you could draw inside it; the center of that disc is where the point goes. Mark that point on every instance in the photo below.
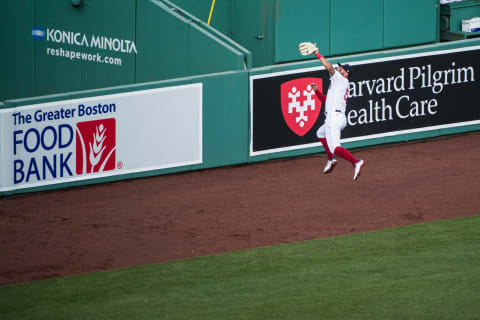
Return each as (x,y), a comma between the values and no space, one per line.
(153,220)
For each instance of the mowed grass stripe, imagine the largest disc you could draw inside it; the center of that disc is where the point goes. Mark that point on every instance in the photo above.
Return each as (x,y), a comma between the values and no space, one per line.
(427,271)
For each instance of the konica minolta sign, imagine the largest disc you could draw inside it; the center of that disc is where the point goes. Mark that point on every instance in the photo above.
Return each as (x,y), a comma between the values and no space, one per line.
(79,39)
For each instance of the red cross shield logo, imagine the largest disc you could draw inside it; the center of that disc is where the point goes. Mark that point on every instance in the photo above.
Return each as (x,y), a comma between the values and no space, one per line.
(300,105)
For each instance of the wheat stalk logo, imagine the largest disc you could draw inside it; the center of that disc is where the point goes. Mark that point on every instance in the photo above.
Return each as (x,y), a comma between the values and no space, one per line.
(96,148)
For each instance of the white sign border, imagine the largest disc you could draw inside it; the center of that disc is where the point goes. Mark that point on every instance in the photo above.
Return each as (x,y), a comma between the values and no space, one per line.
(359,138)
(115,172)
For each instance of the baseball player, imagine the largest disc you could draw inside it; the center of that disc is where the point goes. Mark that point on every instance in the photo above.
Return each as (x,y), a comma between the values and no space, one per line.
(335,121)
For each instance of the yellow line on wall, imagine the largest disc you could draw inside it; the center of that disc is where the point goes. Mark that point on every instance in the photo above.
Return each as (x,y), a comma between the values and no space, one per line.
(211,11)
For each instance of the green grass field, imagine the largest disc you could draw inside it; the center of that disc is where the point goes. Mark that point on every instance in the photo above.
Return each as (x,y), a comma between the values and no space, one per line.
(428,271)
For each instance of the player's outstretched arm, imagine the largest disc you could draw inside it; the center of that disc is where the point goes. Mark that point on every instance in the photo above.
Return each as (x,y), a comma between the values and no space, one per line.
(325,63)
(308,48)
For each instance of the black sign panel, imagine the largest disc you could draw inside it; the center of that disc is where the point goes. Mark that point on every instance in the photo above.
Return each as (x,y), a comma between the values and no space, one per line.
(435,89)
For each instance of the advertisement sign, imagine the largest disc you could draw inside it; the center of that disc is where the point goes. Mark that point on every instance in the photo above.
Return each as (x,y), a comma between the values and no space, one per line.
(388,96)
(78,46)
(101,136)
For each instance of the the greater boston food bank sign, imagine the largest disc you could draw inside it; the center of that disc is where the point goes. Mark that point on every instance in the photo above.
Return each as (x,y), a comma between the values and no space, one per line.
(72,140)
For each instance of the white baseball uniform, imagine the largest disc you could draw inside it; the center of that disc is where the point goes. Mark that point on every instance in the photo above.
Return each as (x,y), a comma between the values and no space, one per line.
(335,107)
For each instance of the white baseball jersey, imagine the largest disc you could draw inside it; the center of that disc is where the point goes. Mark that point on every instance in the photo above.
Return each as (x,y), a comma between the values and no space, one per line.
(335,106)
(337,93)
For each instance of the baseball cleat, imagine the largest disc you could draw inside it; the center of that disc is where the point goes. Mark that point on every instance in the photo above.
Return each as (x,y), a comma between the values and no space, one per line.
(358,168)
(330,165)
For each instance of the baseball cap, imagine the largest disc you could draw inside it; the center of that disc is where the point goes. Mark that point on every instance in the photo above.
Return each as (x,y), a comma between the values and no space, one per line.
(346,67)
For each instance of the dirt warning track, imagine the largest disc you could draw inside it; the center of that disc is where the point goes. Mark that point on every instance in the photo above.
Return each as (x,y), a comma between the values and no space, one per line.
(178,216)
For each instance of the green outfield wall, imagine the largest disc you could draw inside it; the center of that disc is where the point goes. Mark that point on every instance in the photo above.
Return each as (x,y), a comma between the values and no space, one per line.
(207,121)
(51,47)
(159,91)
(271,29)
(17,58)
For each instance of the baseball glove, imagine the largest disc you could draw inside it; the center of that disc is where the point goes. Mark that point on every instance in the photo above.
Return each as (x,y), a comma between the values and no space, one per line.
(307,48)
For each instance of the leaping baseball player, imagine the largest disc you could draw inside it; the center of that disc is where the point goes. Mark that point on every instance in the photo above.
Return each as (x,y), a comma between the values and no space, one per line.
(335,106)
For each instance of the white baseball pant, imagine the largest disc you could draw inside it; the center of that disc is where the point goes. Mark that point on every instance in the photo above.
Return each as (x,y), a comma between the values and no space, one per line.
(331,129)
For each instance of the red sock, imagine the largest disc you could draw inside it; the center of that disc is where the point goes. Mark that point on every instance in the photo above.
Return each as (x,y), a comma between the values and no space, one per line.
(343,153)
(325,146)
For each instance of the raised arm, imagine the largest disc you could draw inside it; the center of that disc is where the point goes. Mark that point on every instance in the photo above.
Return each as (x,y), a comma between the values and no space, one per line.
(325,63)
(308,48)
